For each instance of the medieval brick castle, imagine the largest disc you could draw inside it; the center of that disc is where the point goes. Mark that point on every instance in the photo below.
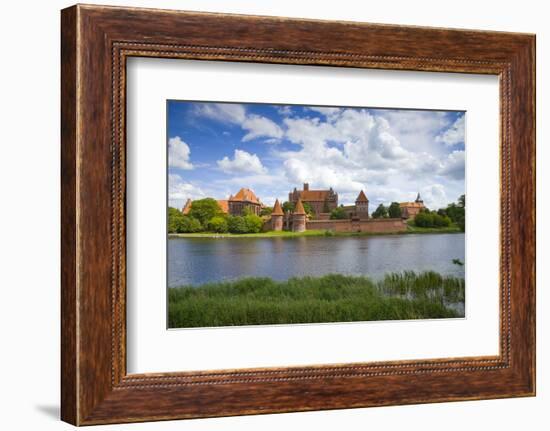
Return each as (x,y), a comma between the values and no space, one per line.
(321,203)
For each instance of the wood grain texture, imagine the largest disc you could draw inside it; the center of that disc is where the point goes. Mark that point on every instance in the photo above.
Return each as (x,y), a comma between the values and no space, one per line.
(96,41)
(69,366)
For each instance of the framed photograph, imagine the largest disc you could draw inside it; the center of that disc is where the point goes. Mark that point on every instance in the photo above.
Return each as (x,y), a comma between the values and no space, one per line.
(265,215)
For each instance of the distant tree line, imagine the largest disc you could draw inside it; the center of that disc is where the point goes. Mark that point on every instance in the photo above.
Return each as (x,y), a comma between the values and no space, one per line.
(455,213)
(427,218)
(206,215)
(393,211)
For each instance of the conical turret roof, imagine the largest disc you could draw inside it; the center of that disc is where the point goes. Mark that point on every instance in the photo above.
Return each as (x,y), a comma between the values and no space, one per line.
(362,197)
(187,207)
(277,209)
(299,209)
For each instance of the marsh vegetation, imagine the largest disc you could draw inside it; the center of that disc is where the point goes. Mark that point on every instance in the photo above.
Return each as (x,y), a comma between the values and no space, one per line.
(329,298)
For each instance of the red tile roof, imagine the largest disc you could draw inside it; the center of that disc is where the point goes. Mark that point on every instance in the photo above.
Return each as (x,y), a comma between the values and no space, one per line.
(277,210)
(224,205)
(245,195)
(411,205)
(314,195)
(362,197)
(186,207)
(299,209)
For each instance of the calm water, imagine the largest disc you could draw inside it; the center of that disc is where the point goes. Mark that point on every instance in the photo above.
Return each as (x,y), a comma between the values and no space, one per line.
(200,260)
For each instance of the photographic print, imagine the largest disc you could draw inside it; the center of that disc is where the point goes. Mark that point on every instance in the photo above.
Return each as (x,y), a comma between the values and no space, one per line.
(295,214)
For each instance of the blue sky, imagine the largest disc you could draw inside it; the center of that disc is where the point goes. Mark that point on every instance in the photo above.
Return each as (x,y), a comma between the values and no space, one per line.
(214,149)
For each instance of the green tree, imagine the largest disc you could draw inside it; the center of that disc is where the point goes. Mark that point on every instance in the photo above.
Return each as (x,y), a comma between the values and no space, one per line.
(189,224)
(457,212)
(174,220)
(218,224)
(253,223)
(205,209)
(236,224)
(338,213)
(427,218)
(308,208)
(461,222)
(380,212)
(394,211)
(289,206)
(424,219)
(441,221)
(266,211)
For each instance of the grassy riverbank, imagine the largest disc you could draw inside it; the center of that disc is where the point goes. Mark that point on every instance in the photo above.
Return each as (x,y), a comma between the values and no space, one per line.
(330,298)
(453,228)
(312,233)
(268,234)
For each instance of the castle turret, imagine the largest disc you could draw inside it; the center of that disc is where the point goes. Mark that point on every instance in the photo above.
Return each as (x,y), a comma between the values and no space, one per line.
(299,217)
(362,206)
(187,207)
(419,199)
(277,216)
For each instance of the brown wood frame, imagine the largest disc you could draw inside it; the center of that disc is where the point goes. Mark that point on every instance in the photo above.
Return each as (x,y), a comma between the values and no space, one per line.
(95,43)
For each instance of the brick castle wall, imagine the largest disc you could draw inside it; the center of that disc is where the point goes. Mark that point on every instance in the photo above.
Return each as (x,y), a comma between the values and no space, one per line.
(387,225)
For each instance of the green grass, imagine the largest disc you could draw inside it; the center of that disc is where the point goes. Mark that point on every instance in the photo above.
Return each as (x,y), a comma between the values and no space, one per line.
(330,298)
(453,228)
(268,234)
(411,229)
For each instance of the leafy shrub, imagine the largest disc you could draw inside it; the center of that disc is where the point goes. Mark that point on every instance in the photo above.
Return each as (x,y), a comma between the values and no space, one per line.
(189,224)
(218,224)
(253,223)
(250,223)
(424,219)
(431,219)
(236,224)
(441,221)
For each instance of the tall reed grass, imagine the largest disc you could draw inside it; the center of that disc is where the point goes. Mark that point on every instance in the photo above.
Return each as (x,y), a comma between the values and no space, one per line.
(330,298)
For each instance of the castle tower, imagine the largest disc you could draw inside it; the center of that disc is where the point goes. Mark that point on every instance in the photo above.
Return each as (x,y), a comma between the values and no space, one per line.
(277,216)
(187,207)
(419,199)
(299,217)
(362,206)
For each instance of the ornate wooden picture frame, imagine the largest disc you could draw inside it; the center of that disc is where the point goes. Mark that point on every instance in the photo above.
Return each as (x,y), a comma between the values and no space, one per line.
(96,41)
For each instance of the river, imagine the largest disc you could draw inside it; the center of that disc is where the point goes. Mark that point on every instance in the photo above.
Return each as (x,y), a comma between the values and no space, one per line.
(194,261)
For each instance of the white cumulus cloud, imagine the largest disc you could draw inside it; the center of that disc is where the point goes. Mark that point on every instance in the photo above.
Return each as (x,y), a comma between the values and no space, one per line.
(389,153)
(258,126)
(242,163)
(178,154)
(454,166)
(434,196)
(453,135)
(179,191)
(225,112)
